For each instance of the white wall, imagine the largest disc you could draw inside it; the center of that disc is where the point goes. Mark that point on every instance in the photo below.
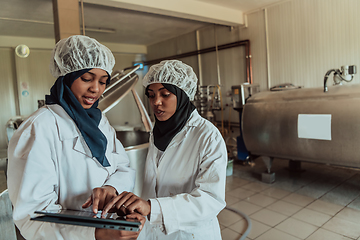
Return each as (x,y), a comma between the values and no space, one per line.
(306,38)
(31,75)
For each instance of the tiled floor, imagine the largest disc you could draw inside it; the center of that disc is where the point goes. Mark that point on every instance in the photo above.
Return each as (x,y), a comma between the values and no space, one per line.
(322,202)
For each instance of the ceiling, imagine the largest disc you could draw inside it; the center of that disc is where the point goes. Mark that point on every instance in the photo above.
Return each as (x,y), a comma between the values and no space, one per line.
(34,18)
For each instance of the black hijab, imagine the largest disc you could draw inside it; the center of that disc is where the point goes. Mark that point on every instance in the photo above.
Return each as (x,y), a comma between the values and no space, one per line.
(87,120)
(164,131)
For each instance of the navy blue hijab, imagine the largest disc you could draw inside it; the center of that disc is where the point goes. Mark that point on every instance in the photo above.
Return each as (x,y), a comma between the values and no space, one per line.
(87,120)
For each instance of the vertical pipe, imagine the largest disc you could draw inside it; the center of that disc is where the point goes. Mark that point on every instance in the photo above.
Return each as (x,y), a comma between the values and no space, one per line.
(267,48)
(250,65)
(217,57)
(82,17)
(16,84)
(199,57)
(219,82)
(247,62)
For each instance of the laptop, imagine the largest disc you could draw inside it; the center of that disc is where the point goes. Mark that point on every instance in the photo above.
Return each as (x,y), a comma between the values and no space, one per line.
(88,219)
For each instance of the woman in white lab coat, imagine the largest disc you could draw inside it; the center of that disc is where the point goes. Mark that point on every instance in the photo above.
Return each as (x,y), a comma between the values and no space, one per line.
(66,155)
(185,172)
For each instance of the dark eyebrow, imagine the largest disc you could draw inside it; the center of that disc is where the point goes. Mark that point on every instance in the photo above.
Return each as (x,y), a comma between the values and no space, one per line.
(159,89)
(101,76)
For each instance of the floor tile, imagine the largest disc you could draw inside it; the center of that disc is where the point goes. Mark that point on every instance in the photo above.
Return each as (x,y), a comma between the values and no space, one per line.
(342,195)
(275,193)
(261,200)
(230,199)
(256,230)
(240,226)
(222,227)
(230,187)
(298,199)
(256,186)
(355,204)
(246,207)
(227,217)
(343,227)
(236,181)
(316,189)
(284,208)
(309,216)
(274,234)
(296,228)
(268,217)
(349,214)
(322,234)
(228,234)
(287,186)
(241,193)
(325,207)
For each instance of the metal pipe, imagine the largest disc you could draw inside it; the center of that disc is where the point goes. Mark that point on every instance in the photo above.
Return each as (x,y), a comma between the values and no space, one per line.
(112,84)
(267,49)
(245,43)
(326,78)
(217,57)
(144,115)
(202,51)
(82,17)
(199,57)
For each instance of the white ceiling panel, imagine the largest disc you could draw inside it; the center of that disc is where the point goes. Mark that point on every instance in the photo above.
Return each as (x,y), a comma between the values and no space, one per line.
(34,18)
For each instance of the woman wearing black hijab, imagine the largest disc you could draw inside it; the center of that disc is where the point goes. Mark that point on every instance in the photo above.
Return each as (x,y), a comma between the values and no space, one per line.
(66,155)
(185,171)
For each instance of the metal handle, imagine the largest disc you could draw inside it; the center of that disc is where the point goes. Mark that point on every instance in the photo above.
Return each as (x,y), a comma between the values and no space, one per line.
(144,115)
(112,84)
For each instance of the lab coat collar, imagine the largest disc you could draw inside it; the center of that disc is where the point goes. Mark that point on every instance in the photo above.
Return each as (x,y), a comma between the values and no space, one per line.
(67,129)
(193,121)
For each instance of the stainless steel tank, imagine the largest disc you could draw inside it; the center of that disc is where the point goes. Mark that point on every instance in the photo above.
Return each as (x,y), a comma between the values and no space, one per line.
(136,144)
(305,124)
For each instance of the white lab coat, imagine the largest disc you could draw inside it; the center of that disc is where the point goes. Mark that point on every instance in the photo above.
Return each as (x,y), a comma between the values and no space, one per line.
(186,185)
(51,167)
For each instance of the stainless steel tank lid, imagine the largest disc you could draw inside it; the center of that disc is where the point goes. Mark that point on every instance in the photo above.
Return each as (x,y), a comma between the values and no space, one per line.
(121,84)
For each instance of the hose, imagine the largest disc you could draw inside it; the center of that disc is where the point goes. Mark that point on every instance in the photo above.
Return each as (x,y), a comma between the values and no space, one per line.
(247,231)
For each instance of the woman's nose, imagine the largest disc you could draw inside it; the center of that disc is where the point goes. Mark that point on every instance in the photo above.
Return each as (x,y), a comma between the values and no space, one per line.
(94,87)
(157,101)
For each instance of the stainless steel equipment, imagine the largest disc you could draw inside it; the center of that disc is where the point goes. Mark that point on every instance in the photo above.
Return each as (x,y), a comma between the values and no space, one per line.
(240,93)
(136,144)
(121,83)
(208,100)
(305,124)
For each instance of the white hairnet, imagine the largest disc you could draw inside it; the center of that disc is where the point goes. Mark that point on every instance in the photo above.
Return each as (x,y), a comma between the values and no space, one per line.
(173,72)
(79,52)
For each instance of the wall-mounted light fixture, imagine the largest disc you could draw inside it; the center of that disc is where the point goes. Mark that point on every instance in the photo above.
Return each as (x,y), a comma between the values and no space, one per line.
(22,51)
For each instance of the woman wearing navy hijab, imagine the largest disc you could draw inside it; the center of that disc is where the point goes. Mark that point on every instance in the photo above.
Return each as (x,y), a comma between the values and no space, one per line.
(66,155)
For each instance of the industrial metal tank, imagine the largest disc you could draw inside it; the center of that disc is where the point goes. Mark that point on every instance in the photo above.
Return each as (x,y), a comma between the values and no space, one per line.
(136,142)
(305,124)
